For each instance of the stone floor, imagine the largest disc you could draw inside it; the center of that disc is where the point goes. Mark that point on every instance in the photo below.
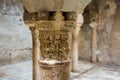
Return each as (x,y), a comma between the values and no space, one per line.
(87,71)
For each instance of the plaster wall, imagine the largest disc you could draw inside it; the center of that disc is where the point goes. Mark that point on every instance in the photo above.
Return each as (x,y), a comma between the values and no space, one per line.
(15,36)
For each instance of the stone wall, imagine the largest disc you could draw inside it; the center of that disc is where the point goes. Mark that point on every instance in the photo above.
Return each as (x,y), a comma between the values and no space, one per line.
(108,31)
(15,36)
(115,38)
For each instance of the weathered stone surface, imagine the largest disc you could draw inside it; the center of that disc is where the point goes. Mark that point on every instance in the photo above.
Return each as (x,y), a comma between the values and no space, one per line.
(56,71)
(85,43)
(11,7)
(108,34)
(55,44)
(115,39)
(53,5)
(14,40)
(105,23)
(15,37)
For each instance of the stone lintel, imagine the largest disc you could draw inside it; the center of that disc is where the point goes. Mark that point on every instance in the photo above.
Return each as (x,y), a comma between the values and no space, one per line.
(55,5)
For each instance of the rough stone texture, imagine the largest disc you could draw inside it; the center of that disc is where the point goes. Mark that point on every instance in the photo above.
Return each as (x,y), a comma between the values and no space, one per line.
(115,38)
(108,33)
(11,7)
(85,37)
(57,71)
(107,10)
(85,43)
(15,38)
(53,5)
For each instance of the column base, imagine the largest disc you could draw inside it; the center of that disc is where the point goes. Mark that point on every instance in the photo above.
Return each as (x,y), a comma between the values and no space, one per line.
(55,70)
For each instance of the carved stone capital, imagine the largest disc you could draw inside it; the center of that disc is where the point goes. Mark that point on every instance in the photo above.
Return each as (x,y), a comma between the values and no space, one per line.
(79,23)
(93,25)
(35,33)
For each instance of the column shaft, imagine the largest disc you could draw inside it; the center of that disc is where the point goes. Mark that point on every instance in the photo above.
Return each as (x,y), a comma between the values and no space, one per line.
(94,45)
(93,25)
(36,55)
(76,42)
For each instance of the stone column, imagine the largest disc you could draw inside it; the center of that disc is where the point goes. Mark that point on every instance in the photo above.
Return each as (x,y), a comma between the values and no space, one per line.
(93,25)
(54,45)
(75,42)
(36,42)
(35,51)
(54,39)
(36,54)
